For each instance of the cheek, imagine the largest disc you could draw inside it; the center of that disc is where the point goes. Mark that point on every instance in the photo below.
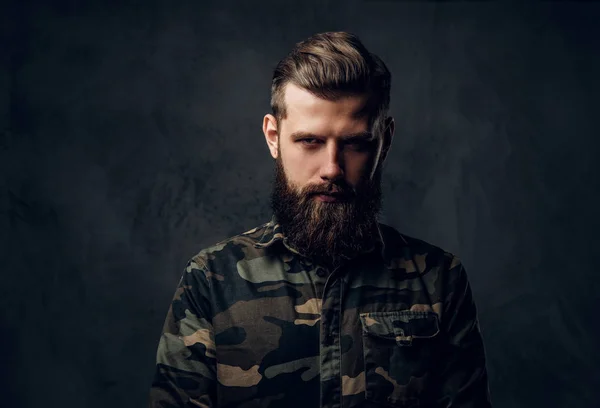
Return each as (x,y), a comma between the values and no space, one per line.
(297,170)
(359,168)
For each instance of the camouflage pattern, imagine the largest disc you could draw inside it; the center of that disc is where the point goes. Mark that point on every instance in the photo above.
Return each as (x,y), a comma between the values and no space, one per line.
(255,324)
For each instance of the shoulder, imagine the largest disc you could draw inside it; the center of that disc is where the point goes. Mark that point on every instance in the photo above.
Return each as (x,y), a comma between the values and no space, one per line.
(400,248)
(439,271)
(232,249)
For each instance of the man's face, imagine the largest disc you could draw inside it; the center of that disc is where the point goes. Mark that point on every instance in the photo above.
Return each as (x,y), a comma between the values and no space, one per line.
(327,190)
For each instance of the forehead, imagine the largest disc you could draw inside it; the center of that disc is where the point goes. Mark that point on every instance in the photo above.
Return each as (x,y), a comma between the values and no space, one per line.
(301,105)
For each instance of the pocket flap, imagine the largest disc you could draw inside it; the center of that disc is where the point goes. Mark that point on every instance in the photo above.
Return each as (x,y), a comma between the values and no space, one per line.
(402,326)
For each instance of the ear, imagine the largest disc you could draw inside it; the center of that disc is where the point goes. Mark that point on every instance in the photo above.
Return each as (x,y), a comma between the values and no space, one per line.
(388,136)
(271,135)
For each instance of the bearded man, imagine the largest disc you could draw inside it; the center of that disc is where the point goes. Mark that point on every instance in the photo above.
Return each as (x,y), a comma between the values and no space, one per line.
(324,306)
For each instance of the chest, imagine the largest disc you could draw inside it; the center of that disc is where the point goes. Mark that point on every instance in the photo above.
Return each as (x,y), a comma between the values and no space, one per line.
(366,333)
(291,313)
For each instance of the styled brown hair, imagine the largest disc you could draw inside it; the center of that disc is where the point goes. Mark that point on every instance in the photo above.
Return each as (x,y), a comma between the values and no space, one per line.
(330,65)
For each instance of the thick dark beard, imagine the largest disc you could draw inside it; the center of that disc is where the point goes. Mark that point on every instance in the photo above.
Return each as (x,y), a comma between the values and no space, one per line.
(327,232)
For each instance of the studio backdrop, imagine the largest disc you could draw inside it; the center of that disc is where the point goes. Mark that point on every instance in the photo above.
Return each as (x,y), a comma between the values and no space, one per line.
(130,138)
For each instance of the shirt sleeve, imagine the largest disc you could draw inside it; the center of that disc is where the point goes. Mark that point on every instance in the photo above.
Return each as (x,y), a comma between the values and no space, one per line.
(463,372)
(185,374)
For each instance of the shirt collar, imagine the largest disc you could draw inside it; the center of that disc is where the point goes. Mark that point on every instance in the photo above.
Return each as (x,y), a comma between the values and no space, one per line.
(273,233)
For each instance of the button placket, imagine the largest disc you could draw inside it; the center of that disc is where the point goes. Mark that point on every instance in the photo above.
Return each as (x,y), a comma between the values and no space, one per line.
(330,344)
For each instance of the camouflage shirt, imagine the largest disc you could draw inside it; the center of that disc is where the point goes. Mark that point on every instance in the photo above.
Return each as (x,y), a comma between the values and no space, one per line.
(255,324)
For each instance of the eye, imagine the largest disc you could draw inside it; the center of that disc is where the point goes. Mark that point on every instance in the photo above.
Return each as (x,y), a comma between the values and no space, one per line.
(309,141)
(359,145)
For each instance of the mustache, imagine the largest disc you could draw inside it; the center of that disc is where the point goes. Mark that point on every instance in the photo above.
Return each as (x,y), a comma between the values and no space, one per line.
(337,189)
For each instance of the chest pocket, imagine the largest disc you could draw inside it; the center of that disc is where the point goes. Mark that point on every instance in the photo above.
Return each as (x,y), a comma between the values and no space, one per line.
(399,354)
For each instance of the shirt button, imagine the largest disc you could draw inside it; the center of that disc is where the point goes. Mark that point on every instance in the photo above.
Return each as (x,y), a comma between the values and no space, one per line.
(321,273)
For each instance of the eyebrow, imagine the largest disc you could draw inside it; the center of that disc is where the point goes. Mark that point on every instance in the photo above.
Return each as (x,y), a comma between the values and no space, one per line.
(367,136)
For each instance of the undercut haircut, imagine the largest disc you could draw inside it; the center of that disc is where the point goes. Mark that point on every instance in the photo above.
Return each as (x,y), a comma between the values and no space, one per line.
(331,65)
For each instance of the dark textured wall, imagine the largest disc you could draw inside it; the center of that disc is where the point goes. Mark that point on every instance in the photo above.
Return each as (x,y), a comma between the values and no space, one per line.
(130,138)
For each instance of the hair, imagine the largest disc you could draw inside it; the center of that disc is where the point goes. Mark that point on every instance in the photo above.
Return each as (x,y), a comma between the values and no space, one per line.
(331,65)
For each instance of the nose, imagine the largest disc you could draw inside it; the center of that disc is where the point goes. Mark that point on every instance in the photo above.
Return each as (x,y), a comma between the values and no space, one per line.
(333,168)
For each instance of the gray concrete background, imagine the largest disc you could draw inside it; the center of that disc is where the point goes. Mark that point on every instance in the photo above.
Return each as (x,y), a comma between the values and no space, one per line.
(130,138)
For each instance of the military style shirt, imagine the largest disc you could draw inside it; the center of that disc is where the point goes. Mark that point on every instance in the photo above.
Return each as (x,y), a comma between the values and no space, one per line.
(253,323)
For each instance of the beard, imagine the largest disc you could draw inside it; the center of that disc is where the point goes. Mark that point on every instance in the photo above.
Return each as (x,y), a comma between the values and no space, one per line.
(327,232)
